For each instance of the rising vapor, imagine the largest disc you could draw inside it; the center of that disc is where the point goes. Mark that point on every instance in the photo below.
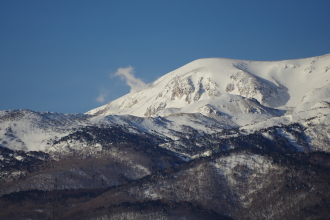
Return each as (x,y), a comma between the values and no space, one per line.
(102,96)
(127,75)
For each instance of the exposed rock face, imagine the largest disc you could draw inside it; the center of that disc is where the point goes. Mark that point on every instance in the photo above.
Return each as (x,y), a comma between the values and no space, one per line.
(251,86)
(185,88)
(212,88)
(154,109)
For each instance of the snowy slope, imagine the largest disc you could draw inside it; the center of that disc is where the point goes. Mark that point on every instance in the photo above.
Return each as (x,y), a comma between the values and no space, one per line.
(319,97)
(38,131)
(32,131)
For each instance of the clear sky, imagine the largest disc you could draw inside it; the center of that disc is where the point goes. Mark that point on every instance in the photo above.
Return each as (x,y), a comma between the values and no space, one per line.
(58,55)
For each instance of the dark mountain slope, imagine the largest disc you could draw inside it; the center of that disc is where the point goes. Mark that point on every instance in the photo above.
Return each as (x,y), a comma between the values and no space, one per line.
(241,183)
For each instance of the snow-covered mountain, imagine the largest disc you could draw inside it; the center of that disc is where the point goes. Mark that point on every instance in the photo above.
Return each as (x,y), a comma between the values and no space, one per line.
(216,139)
(213,84)
(203,97)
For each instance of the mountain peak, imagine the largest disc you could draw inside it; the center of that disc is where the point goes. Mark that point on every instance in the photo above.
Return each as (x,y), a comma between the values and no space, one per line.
(274,84)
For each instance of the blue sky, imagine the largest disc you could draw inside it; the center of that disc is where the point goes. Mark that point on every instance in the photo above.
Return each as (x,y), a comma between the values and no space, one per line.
(58,55)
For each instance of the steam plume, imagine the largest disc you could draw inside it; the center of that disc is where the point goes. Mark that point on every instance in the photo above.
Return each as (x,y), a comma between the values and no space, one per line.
(127,75)
(102,96)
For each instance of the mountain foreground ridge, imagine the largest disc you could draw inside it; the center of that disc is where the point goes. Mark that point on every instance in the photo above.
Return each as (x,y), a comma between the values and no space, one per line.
(216,139)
